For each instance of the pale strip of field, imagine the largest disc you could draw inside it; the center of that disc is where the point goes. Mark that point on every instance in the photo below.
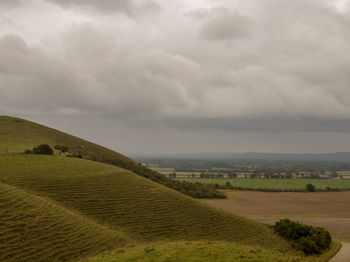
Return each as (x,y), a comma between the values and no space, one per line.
(330,210)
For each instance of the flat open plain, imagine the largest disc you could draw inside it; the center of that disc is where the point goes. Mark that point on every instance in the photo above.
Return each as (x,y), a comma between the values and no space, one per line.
(330,210)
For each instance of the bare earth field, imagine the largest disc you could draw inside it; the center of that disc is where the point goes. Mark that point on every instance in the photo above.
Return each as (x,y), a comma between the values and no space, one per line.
(330,210)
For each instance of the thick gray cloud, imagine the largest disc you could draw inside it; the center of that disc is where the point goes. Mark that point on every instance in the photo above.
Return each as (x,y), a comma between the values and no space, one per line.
(131,7)
(223,68)
(225,26)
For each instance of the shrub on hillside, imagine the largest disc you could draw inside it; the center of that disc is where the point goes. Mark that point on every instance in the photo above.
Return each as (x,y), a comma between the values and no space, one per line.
(309,239)
(63,149)
(43,150)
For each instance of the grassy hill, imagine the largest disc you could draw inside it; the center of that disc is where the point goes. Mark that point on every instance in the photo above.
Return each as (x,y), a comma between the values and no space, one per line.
(205,251)
(36,229)
(58,208)
(17,135)
(121,200)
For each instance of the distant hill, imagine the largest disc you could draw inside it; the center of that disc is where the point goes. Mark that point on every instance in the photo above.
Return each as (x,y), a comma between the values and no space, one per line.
(339,156)
(17,135)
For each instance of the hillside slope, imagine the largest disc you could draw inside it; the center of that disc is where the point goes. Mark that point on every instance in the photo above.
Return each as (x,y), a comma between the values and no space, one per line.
(17,135)
(211,251)
(121,200)
(35,229)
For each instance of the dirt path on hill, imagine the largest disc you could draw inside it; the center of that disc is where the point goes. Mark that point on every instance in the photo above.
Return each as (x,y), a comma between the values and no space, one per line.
(343,255)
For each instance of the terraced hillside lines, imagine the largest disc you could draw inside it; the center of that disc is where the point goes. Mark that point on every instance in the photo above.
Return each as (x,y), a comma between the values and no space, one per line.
(35,229)
(117,198)
(203,251)
(17,135)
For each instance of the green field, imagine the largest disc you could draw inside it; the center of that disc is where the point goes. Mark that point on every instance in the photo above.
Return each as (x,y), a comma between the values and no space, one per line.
(275,183)
(204,251)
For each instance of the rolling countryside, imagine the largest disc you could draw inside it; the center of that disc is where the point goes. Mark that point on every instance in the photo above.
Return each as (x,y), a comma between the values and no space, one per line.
(60,208)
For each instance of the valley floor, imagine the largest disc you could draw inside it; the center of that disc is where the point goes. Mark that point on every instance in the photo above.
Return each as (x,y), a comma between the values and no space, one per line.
(329,210)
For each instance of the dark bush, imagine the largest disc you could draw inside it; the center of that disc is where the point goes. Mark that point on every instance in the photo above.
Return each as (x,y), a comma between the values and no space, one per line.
(310,188)
(63,149)
(43,150)
(310,240)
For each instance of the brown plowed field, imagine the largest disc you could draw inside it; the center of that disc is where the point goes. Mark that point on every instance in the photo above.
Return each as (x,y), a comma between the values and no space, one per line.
(330,210)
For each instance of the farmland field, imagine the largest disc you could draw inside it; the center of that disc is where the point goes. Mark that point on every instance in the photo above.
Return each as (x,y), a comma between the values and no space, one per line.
(326,209)
(275,183)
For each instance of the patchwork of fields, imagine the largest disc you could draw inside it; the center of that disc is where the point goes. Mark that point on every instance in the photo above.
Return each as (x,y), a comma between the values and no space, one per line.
(275,183)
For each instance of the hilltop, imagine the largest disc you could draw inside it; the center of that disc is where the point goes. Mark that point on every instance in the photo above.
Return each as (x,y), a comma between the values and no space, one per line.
(18,135)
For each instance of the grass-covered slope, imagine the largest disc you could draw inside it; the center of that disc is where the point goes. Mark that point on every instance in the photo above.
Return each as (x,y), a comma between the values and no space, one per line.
(204,251)
(35,229)
(121,200)
(17,135)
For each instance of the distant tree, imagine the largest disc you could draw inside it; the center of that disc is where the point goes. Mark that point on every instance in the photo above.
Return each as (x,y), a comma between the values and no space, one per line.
(43,150)
(310,188)
(334,174)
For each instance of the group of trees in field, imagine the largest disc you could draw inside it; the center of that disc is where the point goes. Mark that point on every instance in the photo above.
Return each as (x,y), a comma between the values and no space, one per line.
(42,149)
(311,240)
(45,149)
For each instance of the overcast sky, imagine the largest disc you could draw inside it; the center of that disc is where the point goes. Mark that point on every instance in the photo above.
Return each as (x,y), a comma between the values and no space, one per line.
(171,76)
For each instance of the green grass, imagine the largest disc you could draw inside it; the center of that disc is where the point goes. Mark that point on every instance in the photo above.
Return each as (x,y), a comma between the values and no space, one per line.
(36,229)
(17,135)
(201,251)
(275,183)
(121,200)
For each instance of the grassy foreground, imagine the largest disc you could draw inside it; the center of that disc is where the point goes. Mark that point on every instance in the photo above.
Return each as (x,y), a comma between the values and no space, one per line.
(36,229)
(205,251)
(275,183)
